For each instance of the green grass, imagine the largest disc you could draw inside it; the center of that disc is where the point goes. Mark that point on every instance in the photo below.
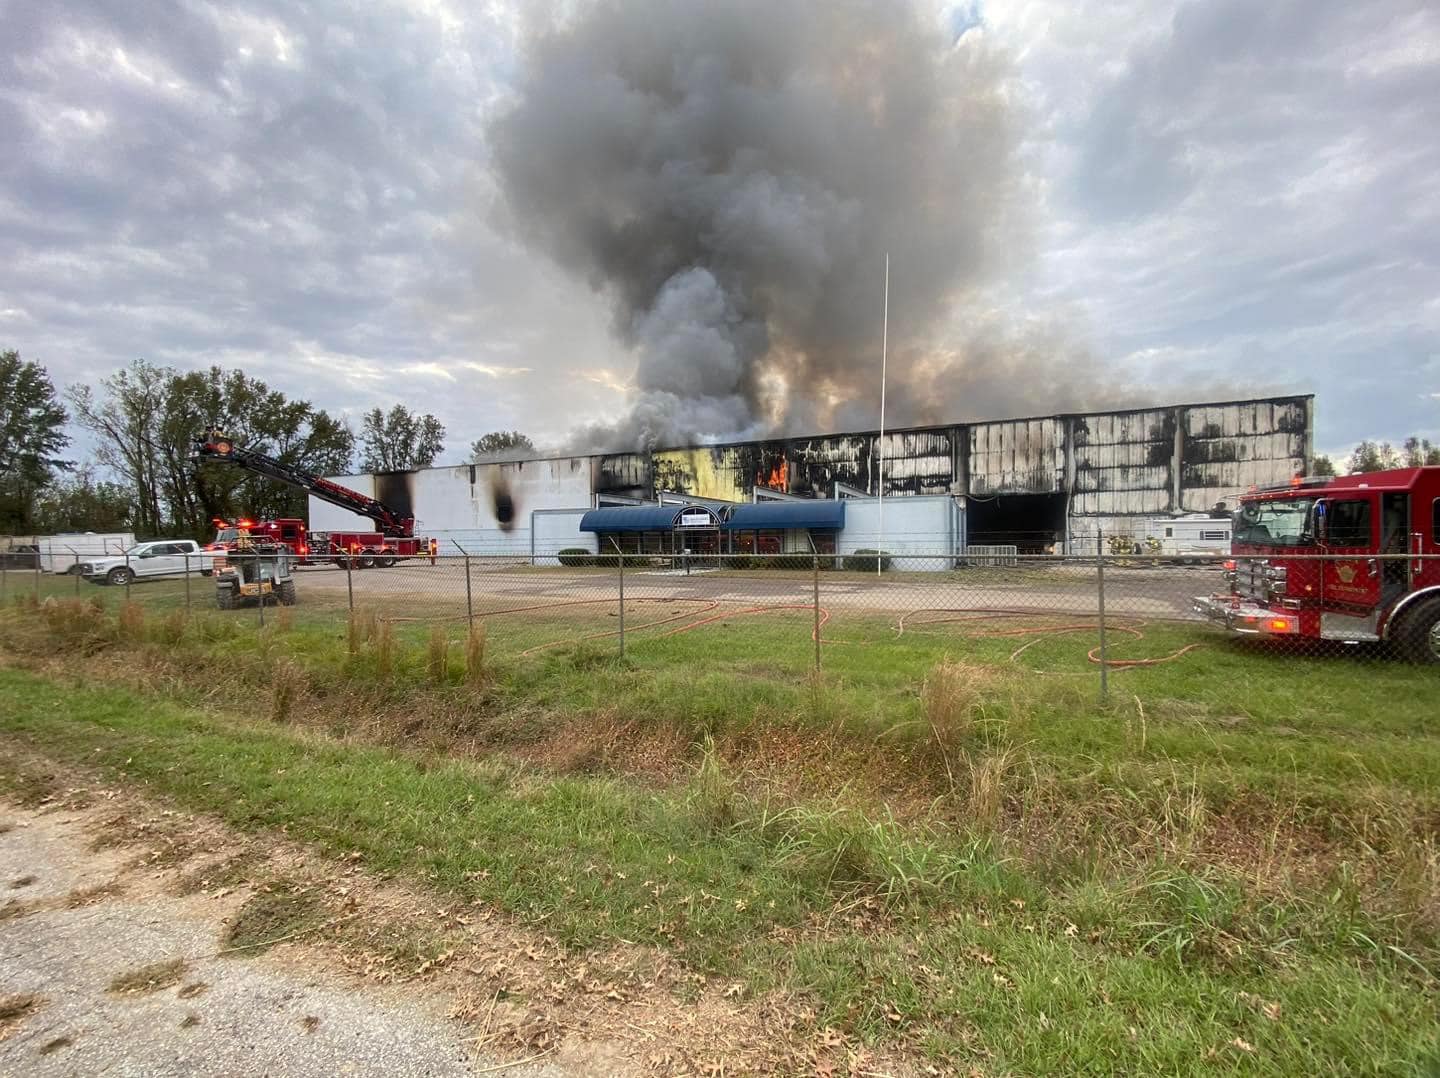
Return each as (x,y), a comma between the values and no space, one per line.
(1237,850)
(891,931)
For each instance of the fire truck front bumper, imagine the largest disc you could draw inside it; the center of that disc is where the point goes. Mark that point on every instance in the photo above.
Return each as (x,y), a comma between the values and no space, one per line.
(1250,619)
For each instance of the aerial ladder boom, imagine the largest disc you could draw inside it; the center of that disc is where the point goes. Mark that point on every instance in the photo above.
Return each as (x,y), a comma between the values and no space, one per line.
(215,446)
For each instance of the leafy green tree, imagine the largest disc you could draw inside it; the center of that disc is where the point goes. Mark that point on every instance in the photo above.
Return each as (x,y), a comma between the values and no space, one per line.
(1323,465)
(1414,452)
(398,441)
(257,417)
(501,443)
(80,502)
(32,432)
(1419,452)
(146,417)
(121,414)
(1369,456)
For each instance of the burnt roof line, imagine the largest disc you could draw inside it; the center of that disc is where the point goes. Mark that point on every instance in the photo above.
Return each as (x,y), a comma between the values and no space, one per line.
(926,428)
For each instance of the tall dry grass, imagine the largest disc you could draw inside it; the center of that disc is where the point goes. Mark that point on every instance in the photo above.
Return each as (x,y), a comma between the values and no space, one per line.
(385,648)
(437,655)
(475,654)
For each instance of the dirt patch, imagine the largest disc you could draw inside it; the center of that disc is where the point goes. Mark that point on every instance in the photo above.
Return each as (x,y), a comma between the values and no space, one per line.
(193,989)
(15,1009)
(279,911)
(149,978)
(50,1047)
(23,881)
(89,896)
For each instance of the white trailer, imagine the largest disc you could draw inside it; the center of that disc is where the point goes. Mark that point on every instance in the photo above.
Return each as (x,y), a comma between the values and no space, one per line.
(62,553)
(1190,538)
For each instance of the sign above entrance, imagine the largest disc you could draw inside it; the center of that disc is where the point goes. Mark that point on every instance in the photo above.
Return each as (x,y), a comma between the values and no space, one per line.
(696,518)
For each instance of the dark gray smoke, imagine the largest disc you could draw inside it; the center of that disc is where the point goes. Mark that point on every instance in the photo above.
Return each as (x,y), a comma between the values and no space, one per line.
(731,174)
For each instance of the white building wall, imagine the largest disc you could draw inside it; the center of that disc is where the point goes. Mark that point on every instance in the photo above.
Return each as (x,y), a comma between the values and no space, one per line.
(911,526)
(484,508)
(324,517)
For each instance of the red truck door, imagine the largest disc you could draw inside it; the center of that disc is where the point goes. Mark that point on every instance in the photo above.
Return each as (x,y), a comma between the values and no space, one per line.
(1424,540)
(1350,577)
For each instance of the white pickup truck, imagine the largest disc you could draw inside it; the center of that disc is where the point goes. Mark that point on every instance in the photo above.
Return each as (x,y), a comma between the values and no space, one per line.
(161,557)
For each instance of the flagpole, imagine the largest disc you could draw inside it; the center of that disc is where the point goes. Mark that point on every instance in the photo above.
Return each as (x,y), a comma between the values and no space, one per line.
(884,358)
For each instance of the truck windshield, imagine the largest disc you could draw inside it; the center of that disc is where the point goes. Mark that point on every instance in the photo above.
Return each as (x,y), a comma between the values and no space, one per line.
(226,535)
(1277,523)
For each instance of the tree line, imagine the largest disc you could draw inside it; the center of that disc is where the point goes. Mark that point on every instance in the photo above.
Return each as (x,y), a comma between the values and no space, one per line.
(143,420)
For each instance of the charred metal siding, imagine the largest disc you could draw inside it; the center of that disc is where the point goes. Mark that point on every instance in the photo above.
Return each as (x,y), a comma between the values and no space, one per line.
(1115,467)
(1124,463)
(1025,456)
(919,462)
(1230,448)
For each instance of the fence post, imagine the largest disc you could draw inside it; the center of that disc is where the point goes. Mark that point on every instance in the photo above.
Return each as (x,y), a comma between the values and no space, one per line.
(4,571)
(349,583)
(1100,579)
(37,572)
(815,562)
(187,582)
(469,601)
(620,560)
(259,588)
(75,569)
(128,574)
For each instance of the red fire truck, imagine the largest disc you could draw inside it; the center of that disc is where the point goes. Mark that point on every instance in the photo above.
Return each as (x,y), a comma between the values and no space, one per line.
(395,540)
(1351,558)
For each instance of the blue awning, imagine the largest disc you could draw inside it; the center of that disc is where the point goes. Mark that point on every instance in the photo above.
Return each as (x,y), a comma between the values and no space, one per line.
(646,518)
(776,516)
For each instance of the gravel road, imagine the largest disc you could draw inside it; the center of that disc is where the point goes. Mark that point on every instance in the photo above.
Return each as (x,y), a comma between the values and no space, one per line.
(224,1015)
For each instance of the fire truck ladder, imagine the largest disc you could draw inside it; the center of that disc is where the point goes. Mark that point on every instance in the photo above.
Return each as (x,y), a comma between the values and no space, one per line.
(215,446)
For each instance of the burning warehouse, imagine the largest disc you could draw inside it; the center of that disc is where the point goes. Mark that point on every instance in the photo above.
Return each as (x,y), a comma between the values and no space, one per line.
(1037,484)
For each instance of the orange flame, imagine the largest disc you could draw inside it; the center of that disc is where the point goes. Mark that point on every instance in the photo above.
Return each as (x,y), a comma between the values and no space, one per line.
(777,479)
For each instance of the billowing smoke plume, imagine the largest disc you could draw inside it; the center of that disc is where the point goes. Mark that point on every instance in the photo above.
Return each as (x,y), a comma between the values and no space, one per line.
(731,174)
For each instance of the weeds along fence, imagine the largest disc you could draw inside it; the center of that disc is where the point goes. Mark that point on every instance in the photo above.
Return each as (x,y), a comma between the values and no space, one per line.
(1090,619)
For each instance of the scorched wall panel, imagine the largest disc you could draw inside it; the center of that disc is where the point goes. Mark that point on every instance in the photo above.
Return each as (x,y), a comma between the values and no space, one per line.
(1230,448)
(1025,456)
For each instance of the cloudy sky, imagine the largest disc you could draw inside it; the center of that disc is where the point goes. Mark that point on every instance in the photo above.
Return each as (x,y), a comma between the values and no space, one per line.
(1219,197)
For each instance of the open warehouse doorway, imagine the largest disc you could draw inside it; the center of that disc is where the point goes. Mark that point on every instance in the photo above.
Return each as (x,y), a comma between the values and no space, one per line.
(1034,523)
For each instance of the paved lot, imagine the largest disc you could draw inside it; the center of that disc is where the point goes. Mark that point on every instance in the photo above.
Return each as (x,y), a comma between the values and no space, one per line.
(1159,592)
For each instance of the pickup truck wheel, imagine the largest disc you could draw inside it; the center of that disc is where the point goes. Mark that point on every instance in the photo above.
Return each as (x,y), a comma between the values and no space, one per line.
(120,576)
(1418,635)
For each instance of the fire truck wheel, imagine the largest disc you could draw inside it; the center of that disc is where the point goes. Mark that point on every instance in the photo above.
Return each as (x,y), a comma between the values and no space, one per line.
(365,561)
(385,562)
(1419,635)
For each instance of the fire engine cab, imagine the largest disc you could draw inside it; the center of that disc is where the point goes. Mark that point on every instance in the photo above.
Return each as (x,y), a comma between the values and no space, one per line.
(1350,558)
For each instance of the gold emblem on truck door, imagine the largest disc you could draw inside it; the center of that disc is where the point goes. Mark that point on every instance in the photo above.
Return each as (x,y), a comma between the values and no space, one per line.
(1346,573)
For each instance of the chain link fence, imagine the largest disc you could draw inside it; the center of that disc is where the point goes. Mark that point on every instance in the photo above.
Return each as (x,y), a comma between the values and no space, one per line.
(1089,617)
